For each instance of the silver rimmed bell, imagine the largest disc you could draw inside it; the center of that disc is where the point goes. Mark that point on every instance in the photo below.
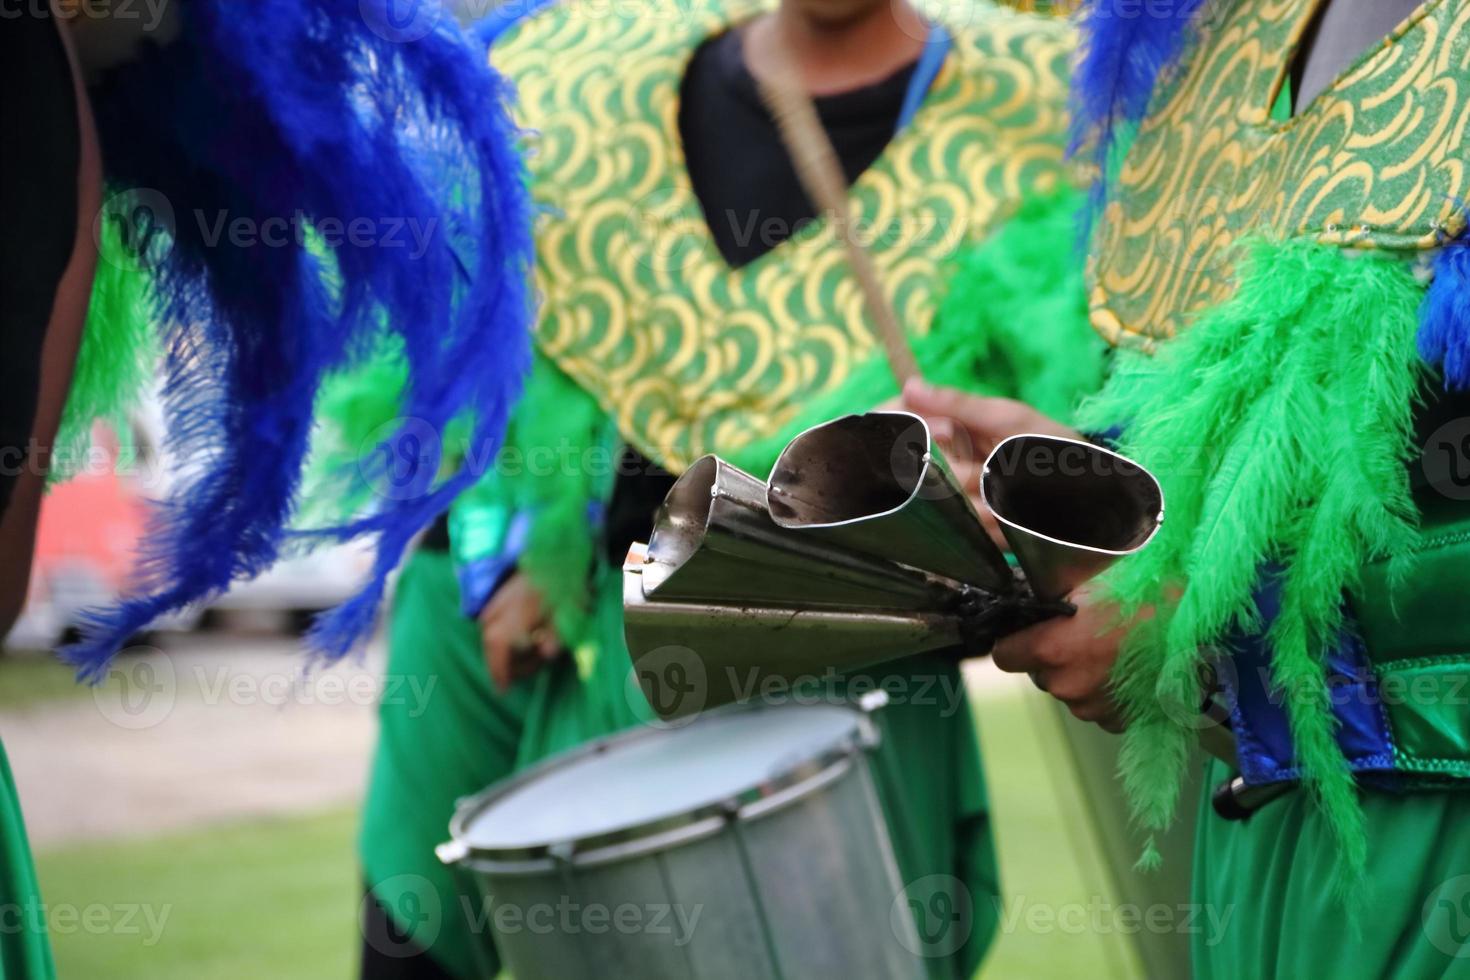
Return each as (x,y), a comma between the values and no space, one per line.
(1069,509)
(861,548)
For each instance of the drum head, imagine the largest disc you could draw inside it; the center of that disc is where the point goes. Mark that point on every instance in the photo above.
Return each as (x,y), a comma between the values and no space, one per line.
(652,775)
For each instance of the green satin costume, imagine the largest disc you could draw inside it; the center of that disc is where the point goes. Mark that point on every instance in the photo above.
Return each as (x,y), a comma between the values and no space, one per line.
(1226,265)
(25,950)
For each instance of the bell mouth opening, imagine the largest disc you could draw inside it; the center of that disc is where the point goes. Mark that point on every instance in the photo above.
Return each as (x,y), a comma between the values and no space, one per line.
(681,522)
(1073,492)
(852,468)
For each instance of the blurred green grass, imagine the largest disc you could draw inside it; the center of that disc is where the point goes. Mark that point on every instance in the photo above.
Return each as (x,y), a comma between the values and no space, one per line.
(267,898)
(1049,858)
(29,678)
(279,897)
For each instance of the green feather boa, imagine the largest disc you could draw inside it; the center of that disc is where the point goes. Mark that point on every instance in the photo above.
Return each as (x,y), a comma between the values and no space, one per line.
(1280,425)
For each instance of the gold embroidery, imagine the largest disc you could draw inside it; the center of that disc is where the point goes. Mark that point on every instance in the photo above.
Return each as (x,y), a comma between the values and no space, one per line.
(637,304)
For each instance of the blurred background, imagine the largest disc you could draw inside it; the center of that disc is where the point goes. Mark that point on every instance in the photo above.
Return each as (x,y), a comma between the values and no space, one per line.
(194,814)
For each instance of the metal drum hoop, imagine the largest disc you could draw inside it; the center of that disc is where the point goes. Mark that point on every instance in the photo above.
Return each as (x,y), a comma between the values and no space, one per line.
(765,797)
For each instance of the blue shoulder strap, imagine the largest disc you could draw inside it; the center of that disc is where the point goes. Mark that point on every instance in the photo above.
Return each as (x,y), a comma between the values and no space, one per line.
(936,47)
(504,17)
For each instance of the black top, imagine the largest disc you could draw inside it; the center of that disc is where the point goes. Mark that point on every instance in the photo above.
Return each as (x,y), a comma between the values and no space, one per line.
(740,170)
(752,201)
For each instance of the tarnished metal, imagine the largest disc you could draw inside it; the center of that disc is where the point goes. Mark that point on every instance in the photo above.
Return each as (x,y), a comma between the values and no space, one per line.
(1069,509)
(714,539)
(731,651)
(863,548)
(873,484)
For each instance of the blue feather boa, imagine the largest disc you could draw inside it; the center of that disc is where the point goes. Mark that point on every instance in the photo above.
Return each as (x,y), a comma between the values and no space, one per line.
(1444,319)
(379,158)
(1125,46)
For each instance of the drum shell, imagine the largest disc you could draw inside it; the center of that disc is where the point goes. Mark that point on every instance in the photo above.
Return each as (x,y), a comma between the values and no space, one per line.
(801,883)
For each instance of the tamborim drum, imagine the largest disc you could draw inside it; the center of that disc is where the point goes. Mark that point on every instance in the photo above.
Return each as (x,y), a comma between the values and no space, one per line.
(747,844)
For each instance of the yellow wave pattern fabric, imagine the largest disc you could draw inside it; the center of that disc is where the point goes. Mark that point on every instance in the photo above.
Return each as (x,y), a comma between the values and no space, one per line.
(1379,160)
(638,306)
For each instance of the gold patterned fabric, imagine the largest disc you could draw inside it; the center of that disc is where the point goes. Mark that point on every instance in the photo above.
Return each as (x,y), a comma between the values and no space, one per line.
(688,355)
(1381,159)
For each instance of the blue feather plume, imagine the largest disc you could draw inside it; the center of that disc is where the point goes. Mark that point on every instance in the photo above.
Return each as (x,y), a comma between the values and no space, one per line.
(391,145)
(1125,46)
(1444,319)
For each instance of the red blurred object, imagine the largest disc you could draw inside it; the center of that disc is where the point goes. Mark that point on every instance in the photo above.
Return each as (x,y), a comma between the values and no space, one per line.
(86,542)
(96,520)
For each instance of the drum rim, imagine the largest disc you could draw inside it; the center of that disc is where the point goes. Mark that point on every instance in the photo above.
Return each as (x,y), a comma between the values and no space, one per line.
(780,790)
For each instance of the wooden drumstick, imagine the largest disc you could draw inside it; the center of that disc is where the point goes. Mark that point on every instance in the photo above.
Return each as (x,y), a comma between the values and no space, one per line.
(821,177)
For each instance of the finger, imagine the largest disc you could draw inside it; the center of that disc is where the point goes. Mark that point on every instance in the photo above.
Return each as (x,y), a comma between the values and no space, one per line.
(1100,711)
(1020,652)
(943,431)
(498,655)
(547,644)
(991,525)
(967,472)
(958,444)
(949,403)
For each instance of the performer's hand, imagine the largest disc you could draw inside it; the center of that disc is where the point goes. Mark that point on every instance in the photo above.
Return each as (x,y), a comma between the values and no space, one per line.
(969,427)
(517,633)
(1071,658)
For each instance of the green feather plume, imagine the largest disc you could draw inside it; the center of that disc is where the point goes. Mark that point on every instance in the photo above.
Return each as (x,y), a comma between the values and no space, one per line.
(558,459)
(1280,425)
(353,410)
(116,360)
